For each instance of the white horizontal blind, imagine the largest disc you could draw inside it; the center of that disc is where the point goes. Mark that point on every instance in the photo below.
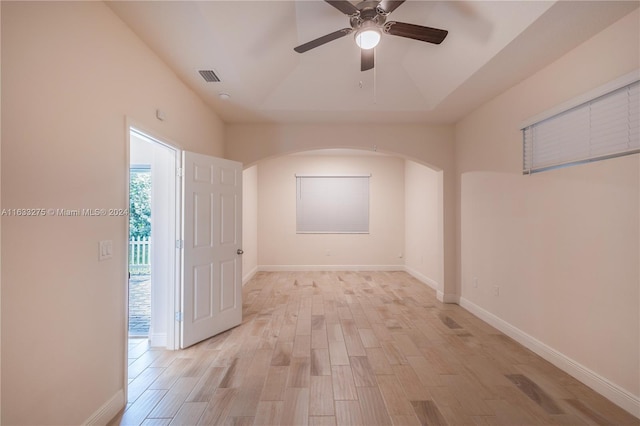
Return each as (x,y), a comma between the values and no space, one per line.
(332,204)
(605,127)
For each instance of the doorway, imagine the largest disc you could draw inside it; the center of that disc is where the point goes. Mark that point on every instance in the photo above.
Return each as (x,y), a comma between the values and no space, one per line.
(195,268)
(139,249)
(152,236)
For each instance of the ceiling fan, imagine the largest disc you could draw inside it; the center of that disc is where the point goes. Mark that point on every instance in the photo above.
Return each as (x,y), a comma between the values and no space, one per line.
(369,21)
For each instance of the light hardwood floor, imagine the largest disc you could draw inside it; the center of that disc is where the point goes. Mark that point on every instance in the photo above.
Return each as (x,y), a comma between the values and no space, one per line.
(366,348)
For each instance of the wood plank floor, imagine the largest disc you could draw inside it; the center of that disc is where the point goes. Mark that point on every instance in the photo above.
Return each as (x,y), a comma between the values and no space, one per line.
(362,348)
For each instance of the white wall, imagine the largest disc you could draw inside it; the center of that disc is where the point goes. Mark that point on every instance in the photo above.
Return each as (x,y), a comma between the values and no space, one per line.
(249,222)
(423,224)
(71,72)
(563,245)
(281,248)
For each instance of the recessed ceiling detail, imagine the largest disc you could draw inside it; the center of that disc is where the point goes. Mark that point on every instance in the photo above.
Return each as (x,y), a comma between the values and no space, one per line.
(491,46)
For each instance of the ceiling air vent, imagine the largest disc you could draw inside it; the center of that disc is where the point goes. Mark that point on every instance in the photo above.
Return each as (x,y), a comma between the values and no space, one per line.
(209,76)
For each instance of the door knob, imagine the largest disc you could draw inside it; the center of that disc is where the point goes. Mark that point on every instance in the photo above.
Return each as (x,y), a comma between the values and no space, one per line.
(240,251)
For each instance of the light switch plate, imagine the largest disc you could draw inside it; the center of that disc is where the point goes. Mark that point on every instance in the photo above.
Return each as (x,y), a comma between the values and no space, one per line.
(105,248)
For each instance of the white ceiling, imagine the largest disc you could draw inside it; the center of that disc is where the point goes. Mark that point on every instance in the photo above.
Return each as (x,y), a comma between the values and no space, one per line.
(491,46)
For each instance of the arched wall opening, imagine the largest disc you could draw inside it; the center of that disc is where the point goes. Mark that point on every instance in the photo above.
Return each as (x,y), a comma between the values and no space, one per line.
(431,145)
(408,204)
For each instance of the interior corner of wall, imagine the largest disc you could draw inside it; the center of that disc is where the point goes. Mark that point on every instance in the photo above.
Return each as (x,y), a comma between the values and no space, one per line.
(249,275)
(109,410)
(448,297)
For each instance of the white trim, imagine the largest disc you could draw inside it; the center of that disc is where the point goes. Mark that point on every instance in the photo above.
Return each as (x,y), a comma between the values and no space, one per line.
(171,338)
(422,278)
(442,297)
(175,298)
(108,411)
(292,268)
(447,297)
(249,275)
(603,386)
(585,97)
(126,278)
(158,340)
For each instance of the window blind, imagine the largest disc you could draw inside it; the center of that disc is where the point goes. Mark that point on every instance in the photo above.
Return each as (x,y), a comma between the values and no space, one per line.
(605,127)
(332,204)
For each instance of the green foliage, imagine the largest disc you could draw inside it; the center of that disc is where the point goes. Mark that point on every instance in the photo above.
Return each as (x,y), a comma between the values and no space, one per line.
(140,205)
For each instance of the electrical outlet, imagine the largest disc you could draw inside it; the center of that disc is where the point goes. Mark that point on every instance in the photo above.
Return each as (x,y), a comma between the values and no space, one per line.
(475,282)
(496,290)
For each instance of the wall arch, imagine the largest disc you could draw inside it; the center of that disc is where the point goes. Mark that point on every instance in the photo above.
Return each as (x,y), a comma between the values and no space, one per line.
(429,145)
(432,146)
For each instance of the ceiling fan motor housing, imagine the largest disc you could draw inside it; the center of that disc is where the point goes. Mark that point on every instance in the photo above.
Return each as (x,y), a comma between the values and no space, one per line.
(368,11)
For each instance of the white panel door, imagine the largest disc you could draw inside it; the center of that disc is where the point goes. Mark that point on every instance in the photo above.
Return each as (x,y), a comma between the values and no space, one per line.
(212,233)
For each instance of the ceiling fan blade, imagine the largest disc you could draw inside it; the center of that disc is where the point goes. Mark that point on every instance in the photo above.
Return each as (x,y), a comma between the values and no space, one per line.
(390,5)
(367,59)
(416,32)
(322,40)
(343,6)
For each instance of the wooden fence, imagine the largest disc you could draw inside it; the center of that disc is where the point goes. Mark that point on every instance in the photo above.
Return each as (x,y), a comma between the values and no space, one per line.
(140,255)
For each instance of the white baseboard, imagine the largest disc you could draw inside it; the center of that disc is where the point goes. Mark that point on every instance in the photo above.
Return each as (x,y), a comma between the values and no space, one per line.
(448,297)
(606,388)
(294,268)
(443,297)
(249,275)
(422,278)
(108,411)
(158,340)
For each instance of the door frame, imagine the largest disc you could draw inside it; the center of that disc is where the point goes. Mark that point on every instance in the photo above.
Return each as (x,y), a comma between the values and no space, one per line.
(173,293)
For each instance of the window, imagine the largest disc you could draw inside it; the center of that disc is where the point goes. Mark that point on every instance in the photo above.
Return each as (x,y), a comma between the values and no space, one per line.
(605,126)
(332,204)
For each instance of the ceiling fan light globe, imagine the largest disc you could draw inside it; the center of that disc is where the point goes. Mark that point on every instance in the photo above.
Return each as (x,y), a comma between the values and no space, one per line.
(368,38)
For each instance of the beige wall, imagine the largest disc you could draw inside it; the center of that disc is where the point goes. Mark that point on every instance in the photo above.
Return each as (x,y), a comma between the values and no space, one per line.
(430,145)
(249,222)
(561,245)
(0,218)
(423,223)
(425,144)
(281,248)
(71,72)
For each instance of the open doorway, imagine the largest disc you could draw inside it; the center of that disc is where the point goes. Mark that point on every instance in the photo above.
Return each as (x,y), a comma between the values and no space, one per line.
(152,238)
(140,179)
